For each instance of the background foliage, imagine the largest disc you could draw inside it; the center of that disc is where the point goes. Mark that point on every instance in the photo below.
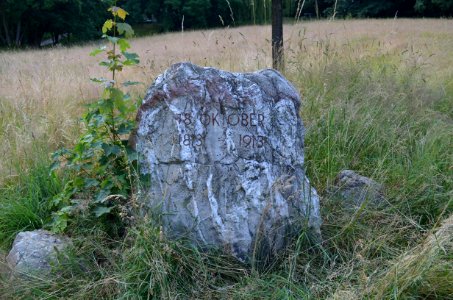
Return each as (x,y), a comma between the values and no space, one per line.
(32,22)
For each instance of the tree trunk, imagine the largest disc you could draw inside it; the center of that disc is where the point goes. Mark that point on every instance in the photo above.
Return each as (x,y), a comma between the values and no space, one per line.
(5,26)
(317,9)
(277,35)
(18,33)
(2,38)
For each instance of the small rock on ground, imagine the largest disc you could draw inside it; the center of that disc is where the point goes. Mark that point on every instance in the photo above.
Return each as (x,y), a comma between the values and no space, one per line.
(355,189)
(34,251)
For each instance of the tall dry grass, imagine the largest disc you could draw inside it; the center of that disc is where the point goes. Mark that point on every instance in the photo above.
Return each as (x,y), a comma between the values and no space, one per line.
(41,91)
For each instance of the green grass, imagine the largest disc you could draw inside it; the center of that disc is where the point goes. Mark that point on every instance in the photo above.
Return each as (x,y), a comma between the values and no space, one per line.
(386,124)
(423,272)
(24,204)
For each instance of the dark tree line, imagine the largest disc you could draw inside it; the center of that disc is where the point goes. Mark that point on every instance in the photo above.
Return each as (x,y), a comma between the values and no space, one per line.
(385,9)
(29,22)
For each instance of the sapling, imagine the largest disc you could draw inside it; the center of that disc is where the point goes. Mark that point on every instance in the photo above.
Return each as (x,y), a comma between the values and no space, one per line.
(99,163)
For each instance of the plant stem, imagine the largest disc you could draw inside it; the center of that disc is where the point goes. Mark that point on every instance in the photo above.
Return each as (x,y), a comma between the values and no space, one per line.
(112,129)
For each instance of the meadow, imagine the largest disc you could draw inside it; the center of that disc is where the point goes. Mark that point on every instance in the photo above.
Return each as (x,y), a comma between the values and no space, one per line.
(377,98)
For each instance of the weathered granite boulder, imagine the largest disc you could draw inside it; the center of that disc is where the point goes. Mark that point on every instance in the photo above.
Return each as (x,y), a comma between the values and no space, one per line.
(34,251)
(225,157)
(355,189)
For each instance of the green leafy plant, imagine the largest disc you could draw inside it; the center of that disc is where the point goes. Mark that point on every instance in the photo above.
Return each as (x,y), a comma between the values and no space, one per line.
(100,161)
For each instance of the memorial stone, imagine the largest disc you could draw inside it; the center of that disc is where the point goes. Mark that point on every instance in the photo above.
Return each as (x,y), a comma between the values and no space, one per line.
(224,155)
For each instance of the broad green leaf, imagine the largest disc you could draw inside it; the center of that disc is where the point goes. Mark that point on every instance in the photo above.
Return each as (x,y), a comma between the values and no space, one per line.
(132,155)
(129,62)
(79,148)
(106,108)
(130,55)
(117,97)
(97,80)
(78,182)
(126,29)
(90,182)
(111,149)
(124,129)
(129,83)
(67,209)
(104,63)
(96,121)
(112,39)
(107,83)
(97,51)
(101,210)
(57,200)
(106,190)
(108,25)
(131,58)
(87,138)
(120,105)
(106,94)
(106,185)
(116,94)
(59,222)
(97,144)
(124,44)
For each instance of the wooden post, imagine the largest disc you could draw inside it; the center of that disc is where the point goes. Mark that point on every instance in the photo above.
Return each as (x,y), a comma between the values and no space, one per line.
(277,35)
(317,9)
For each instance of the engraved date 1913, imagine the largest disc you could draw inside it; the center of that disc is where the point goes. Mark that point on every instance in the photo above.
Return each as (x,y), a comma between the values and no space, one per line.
(245,140)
